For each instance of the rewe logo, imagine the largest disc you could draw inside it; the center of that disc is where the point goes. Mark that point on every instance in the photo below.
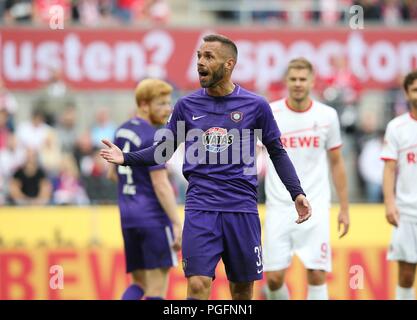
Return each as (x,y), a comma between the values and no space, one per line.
(301,142)
(411,158)
(56,21)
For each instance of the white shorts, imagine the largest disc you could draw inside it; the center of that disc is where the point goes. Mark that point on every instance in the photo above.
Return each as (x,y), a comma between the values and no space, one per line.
(283,238)
(403,245)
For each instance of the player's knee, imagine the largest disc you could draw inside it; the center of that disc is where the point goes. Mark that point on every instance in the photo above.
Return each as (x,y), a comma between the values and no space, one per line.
(406,278)
(156,287)
(275,280)
(242,291)
(139,279)
(316,277)
(198,285)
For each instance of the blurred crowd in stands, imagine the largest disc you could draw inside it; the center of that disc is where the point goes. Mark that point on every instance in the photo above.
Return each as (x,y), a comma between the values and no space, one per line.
(49,159)
(85,12)
(120,12)
(330,12)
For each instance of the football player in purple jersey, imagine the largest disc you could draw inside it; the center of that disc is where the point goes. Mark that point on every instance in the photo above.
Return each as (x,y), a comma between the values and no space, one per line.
(150,222)
(219,125)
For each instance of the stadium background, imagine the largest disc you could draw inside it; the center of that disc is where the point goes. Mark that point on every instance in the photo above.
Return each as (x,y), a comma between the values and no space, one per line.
(81,79)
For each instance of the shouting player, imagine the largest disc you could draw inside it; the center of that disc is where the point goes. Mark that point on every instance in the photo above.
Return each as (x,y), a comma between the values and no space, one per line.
(220,122)
(151,226)
(400,190)
(310,133)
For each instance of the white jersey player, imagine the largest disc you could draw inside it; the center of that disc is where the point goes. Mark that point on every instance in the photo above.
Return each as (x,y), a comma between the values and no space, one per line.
(400,174)
(311,135)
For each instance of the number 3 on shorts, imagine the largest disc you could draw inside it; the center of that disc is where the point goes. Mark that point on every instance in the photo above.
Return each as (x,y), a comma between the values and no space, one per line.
(258,251)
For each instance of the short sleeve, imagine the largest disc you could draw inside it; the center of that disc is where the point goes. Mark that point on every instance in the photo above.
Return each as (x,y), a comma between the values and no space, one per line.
(334,139)
(266,122)
(390,146)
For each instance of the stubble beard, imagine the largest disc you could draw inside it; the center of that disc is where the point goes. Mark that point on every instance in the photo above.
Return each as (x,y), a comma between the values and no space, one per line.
(216,77)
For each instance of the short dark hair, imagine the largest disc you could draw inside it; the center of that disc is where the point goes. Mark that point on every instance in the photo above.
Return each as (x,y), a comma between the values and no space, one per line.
(409,79)
(223,40)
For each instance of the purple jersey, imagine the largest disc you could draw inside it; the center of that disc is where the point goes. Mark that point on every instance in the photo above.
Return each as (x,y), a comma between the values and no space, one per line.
(138,204)
(220,138)
(230,186)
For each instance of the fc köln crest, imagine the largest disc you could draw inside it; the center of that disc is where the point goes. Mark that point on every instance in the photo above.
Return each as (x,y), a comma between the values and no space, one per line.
(236,116)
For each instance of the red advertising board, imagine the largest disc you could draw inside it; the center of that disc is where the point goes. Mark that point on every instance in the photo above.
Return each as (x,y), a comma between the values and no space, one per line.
(100,274)
(117,58)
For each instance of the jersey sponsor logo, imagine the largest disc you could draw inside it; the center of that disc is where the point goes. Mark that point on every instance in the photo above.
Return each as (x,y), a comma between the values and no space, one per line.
(301,142)
(217,139)
(236,116)
(198,117)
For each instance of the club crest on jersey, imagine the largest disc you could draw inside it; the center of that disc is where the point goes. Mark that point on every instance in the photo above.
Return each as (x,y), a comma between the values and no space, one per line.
(217,139)
(236,116)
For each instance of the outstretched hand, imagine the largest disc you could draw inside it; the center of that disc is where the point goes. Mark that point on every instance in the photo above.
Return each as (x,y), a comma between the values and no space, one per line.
(112,154)
(303,208)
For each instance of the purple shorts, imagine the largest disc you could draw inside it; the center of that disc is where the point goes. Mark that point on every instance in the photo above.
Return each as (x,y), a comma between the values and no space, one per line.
(233,237)
(149,248)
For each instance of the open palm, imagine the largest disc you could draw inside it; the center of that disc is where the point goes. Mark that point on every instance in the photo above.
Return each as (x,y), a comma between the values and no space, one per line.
(112,154)
(303,208)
